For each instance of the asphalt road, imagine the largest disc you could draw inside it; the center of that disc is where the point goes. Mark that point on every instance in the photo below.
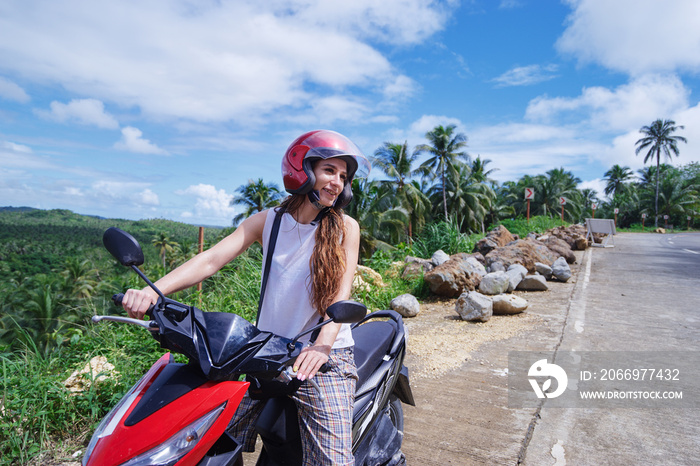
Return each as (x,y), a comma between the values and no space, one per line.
(641,295)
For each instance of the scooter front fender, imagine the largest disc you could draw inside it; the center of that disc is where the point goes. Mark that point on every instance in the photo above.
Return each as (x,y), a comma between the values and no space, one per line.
(123,438)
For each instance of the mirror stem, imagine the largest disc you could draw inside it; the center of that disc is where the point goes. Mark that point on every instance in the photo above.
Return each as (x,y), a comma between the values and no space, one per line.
(145,278)
(292,344)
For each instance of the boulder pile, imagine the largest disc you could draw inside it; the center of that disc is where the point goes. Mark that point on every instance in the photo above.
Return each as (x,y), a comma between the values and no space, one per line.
(483,280)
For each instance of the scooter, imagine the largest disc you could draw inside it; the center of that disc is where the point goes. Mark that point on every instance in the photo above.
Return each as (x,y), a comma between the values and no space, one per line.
(177,414)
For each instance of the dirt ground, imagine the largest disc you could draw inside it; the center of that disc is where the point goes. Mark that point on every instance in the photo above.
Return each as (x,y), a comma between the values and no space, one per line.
(458,373)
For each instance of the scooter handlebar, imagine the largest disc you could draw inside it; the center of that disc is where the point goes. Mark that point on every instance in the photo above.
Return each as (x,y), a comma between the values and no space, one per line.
(117,300)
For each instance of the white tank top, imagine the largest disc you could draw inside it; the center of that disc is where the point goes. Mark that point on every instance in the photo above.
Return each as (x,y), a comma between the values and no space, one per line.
(287,308)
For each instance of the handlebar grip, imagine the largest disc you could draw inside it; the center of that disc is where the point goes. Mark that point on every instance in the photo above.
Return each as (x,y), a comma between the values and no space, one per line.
(324,368)
(117,300)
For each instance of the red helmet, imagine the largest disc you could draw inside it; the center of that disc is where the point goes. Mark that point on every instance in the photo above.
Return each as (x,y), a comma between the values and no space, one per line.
(298,174)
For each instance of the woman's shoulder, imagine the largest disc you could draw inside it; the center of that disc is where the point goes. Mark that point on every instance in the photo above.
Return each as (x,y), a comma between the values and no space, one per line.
(350,223)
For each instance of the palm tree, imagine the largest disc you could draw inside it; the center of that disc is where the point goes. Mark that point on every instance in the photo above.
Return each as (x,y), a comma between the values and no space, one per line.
(395,161)
(80,277)
(470,199)
(445,148)
(256,196)
(678,198)
(657,139)
(165,245)
(479,171)
(381,224)
(617,178)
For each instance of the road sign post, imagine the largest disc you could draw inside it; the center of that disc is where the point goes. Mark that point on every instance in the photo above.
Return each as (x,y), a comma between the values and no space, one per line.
(643,217)
(617,211)
(562,202)
(594,206)
(529,194)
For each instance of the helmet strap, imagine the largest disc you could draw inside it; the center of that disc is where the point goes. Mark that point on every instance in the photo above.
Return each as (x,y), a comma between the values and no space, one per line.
(314,196)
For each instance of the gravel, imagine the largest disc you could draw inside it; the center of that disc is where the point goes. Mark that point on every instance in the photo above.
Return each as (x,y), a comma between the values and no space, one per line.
(439,340)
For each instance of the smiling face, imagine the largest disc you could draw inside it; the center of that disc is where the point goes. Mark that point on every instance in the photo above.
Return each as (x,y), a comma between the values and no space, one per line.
(331,175)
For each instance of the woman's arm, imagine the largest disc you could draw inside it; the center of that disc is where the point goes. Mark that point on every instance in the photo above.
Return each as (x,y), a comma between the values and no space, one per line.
(313,357)
(200,267)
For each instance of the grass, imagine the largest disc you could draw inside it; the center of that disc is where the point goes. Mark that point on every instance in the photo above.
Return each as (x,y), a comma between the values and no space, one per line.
(538,224)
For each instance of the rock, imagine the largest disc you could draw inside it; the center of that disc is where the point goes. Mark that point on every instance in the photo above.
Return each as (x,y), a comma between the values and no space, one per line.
(416,267)
(474,307)
(559,247)
(543,269)
(439,257)
(499,236)
(497,267)
(515,273)
(97,370)
(406,304)
(370,276)
(574,236)
(524,252)
(494,283)
(660,230)
(561,270)
(395,269)
(533,283)
(358,284)
(508,304)
(462,272)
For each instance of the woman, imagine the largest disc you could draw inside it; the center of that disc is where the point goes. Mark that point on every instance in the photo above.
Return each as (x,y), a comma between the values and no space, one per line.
(313,266)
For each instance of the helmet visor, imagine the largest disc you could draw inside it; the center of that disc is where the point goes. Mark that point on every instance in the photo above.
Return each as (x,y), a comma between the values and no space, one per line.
(324,147)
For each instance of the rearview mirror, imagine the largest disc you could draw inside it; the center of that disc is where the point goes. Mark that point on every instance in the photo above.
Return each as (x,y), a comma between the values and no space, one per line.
(346,312)
(123,247)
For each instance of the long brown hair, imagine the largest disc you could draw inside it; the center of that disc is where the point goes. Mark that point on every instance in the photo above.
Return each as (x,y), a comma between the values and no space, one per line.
(328,259)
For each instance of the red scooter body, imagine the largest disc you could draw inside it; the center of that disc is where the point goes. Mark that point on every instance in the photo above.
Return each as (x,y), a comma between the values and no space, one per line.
(120,442)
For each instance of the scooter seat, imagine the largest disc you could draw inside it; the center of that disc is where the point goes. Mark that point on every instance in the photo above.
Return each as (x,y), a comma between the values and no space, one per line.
(372,342)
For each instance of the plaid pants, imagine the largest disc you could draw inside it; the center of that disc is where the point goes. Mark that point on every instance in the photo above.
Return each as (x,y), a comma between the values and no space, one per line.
(325,425)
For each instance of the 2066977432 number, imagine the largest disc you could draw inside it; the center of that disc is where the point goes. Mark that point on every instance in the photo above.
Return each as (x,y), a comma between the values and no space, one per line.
(640,374)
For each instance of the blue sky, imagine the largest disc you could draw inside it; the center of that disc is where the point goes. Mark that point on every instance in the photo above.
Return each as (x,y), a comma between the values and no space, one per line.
(151,109)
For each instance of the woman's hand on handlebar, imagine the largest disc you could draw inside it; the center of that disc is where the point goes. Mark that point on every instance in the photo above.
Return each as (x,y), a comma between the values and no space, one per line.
(310,361)
(137,302)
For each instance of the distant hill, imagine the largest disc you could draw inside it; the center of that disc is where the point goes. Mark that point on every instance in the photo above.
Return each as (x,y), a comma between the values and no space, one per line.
(38,241)
(16,209)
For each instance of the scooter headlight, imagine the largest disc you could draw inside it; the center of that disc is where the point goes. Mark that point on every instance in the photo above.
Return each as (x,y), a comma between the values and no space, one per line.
(177,446)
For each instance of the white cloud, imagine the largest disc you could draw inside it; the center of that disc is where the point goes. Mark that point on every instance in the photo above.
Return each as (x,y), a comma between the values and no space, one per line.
(597,185)
(427,123)
(401,88)
(210,202)
(11,91)
(131,191)
(634,36)
(281,55)
(82,111)
(628,106)
(133,142)
(11,146)
(526,75)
